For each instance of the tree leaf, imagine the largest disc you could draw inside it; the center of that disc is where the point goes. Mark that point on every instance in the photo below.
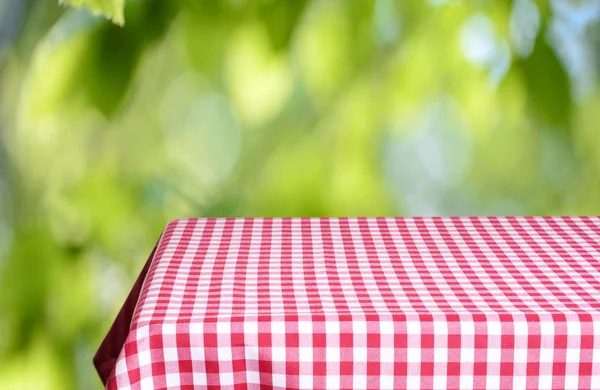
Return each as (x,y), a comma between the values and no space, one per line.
(112,9)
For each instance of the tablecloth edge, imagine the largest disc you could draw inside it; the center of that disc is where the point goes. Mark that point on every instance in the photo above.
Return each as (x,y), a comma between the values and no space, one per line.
(106,356)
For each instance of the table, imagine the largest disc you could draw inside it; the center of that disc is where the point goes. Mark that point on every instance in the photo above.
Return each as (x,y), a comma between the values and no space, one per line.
(390,303)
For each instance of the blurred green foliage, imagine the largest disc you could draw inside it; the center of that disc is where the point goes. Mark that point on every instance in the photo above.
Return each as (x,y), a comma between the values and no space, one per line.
(112,9)
(266,108)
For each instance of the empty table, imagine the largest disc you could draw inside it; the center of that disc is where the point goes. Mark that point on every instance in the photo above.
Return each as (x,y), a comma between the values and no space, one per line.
(363,303)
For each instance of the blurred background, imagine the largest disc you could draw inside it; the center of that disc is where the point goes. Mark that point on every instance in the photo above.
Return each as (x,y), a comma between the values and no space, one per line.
(266,108)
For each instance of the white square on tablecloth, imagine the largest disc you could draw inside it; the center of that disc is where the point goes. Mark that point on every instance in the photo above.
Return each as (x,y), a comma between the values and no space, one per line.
(386,327)
(332,327)
(169,328)
(250,327)
(120,367)
(224,354)
(413,355)
(546,355)
(387,355)
(520,382)
(196,328)
(278,354)
(439,382)
(413,327)
(520,328)
(252,377)
(278,327)
(573,328)
(571,381)
(305,354)
(359,381)
(142,332)
(573,356)
(252,352)
(226,379)
(305,382)
(147,383)
(224,328)
(546,328)
(359,327)
(199,378)
(494,328)
(440,355)
(305,327)
(413,382)
(332,354)
(494,355)
(279,380)
(492,381)
(545,382)
(440,327)
(360,354)
(333,382)
(595,382)
(467,328)
(172,380)
(170,354)
(467,355)
(466,381)
(144,358)
(386,382)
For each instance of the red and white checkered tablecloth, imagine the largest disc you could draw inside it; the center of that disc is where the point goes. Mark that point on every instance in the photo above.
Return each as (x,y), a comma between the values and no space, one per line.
(363,303)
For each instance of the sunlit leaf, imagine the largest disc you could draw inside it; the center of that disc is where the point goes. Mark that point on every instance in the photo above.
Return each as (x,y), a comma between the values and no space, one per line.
(112,9)
(259,79)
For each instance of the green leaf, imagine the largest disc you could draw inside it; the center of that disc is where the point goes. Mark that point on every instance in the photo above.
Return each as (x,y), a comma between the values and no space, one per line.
(112,9)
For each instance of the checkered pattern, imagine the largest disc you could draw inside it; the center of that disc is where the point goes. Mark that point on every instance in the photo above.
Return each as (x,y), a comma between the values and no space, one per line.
(365,303)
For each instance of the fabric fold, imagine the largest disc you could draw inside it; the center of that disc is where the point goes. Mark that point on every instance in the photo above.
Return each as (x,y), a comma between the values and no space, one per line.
(108,352)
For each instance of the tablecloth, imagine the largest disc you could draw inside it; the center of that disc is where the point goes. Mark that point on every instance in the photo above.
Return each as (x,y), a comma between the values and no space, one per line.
(363,303)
